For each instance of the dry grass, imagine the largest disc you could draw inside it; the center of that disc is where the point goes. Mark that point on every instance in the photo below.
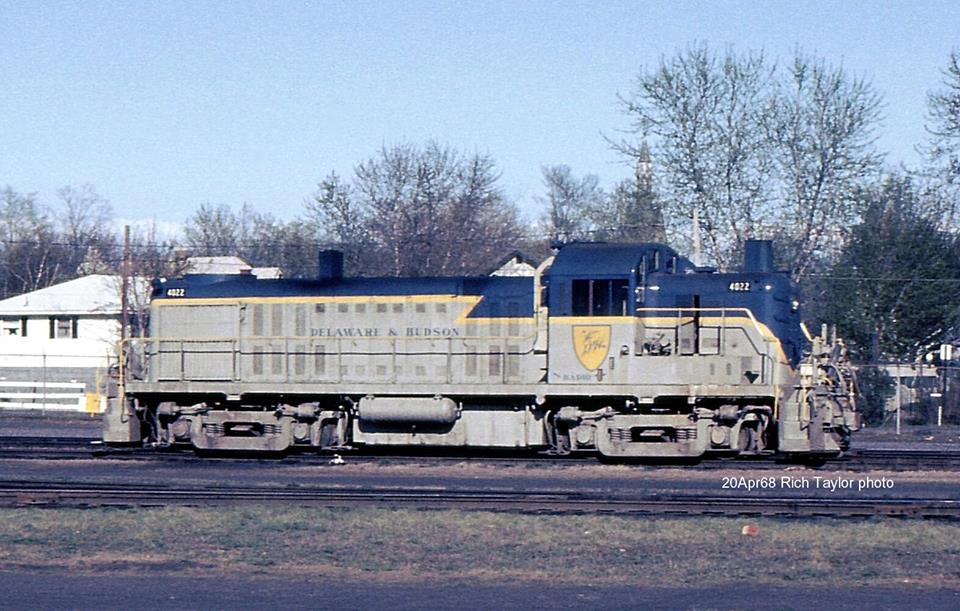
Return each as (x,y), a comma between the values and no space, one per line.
(405,545)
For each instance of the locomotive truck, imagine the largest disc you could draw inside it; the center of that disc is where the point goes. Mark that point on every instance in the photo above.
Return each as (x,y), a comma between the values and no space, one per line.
(626,351)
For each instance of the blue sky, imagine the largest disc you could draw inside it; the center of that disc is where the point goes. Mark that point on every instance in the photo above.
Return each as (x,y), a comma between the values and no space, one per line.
(162,106)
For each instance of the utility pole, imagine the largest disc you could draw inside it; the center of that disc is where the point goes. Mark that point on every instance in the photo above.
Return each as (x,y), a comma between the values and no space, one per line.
(946,356)
(899,402)
(697,256)
(124,289)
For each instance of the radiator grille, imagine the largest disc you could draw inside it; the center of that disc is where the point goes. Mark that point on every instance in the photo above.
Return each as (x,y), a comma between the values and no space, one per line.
(240,429)
(652,435)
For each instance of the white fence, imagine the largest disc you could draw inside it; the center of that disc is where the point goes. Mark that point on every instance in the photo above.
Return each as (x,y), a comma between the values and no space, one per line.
(58,376)
(49,396)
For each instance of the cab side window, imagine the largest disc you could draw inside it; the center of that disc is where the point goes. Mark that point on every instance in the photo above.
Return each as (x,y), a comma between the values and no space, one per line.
(600,297)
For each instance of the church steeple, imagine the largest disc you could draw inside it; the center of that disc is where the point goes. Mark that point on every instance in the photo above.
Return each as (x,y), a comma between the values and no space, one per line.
(647,214)
(644,169)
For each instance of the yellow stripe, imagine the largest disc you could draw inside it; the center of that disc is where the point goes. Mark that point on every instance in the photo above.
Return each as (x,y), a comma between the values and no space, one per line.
(470,300)
(590,320)
(171,301)
(527,320)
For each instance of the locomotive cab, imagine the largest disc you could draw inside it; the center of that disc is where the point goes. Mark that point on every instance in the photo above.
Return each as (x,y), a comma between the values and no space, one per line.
(683,361)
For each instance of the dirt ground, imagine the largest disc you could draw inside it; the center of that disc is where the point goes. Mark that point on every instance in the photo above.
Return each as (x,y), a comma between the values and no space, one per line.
(65,591)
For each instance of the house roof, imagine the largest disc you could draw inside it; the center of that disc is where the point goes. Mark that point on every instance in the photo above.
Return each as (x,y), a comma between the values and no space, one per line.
(221,266)
(100,293)
(509,264)
(93,294)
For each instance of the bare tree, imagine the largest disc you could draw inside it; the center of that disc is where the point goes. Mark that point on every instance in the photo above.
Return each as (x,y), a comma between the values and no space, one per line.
(258,238)
(28,243)
(943,119)
(218,230)
(291,246)
(336,219)
(756,150)
(570,202)
(942,149)
(705,112)
(820,128)
(85,220)
(415,212)
(402,190)
(477,225)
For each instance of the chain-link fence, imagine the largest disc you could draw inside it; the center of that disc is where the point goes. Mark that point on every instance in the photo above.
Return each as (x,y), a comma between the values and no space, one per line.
(917,393)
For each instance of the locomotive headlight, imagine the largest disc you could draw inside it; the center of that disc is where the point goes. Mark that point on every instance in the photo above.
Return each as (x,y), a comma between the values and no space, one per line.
(768,287)
(794,306)
(654,287)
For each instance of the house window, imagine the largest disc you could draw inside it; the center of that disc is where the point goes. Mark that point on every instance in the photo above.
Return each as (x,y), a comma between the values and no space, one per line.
(11,326)
(62,327)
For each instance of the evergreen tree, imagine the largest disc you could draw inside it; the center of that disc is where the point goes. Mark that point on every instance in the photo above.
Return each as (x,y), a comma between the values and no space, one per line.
(895,288)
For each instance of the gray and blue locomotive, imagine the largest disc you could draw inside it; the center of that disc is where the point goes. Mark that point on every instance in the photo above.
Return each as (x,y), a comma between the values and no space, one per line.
(621,350)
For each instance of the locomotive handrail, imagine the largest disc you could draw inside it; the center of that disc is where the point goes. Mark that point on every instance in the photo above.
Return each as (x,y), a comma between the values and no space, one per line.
(762,330)
(221,338)
(508,347)
(722,310)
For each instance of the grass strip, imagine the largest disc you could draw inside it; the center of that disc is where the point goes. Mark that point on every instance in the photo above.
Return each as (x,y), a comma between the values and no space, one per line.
(411,545)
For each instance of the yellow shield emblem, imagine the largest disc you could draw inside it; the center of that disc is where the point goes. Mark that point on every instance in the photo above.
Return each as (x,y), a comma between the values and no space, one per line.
(591,343)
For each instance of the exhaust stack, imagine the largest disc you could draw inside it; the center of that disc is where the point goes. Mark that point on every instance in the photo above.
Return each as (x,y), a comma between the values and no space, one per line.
(331,265)
(758,256)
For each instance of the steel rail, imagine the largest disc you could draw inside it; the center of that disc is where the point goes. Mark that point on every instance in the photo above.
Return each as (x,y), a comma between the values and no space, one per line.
(863,459)
(41,494)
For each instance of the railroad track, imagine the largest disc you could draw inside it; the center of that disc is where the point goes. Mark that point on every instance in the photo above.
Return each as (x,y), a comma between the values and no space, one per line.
(903,460)
(865,459)
(80,495)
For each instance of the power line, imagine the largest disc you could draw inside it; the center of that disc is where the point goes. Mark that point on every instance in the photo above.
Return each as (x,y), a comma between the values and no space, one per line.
(879,278)
(111,255)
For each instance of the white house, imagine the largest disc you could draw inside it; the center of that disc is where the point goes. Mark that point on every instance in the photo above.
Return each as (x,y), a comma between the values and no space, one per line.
(55,343)
(515,264)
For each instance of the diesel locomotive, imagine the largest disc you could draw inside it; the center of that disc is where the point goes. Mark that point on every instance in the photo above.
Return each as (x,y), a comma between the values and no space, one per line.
(626,351)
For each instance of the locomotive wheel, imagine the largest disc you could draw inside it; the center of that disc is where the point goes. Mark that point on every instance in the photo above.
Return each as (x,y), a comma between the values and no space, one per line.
(747,440)
(328,435)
